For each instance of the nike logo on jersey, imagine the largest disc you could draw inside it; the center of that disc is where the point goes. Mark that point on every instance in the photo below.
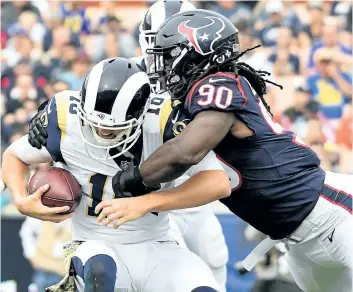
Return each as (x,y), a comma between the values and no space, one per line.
(49,105)
(168,36)
(212,80)
(176,118)
(330,237)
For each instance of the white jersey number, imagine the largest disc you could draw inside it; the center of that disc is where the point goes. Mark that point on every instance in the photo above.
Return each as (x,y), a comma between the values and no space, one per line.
(215,95)
(155,105)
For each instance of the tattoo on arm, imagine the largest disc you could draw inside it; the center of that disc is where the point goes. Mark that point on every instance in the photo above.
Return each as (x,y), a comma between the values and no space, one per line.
(177,155)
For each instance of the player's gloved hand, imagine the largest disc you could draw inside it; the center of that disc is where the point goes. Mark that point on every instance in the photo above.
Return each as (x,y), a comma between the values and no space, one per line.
(32,206)
(121,210)
(130,181)
(37,135)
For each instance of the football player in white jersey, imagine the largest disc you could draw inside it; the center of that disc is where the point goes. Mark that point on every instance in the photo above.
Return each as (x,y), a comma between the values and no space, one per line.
(197,228)
(95,133)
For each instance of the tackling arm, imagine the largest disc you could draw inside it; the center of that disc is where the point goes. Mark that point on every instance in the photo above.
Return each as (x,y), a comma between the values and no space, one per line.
(188,148)
(191,193)
(209,182)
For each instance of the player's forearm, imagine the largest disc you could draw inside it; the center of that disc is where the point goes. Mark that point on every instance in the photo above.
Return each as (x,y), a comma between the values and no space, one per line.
(188,148)
(202,188)
(166,164)
(14,173)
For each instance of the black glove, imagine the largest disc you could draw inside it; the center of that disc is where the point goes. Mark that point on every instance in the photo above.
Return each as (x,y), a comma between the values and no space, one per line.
(130,181)
(37,135)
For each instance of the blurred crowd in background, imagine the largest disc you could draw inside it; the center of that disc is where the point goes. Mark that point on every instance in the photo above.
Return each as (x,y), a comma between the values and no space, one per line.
(49,46)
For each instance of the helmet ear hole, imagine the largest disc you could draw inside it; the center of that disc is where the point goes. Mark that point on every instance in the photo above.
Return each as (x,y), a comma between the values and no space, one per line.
(138,102)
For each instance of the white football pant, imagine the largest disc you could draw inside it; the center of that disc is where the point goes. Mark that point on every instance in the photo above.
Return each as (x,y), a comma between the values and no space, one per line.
(202,234)
(157,266)
(320,251)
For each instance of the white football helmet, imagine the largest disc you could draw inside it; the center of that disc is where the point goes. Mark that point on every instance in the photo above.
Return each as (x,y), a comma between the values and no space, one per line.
(154,18)
(113,106)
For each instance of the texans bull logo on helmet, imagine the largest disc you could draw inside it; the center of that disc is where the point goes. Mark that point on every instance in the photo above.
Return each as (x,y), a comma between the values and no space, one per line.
(200,37)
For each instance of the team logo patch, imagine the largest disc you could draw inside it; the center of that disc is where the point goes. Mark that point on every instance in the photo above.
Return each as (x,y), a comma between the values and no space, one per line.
(101,116)
(199,36)
(178,127)
(124,165)
(44,119)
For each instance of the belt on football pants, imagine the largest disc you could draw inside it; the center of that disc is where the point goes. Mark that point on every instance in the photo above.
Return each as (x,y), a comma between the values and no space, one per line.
(336,197)
(258,252)
(264,246)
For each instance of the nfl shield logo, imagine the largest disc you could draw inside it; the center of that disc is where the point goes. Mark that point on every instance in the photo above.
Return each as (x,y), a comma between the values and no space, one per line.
(124,165)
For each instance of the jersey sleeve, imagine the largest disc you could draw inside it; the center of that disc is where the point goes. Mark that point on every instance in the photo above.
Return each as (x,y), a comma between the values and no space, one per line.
(219,92)
(164,119)
(209,162)
(54,119)
(28,154)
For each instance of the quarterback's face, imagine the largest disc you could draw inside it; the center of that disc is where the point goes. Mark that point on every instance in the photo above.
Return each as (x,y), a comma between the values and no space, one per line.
(107,134)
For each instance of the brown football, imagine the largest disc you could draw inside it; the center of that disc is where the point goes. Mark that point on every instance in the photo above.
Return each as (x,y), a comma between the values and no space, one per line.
(64,188)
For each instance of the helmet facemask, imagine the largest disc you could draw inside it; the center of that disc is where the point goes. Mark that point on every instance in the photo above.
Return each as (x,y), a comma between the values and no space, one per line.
(127,134)
(155,16)
(146,39)
(173,65)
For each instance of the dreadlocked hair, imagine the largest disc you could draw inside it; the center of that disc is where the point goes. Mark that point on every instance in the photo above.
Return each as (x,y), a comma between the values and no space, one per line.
(255,77)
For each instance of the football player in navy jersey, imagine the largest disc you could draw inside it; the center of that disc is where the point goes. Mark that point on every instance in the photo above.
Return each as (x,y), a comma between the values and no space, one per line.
(277,183)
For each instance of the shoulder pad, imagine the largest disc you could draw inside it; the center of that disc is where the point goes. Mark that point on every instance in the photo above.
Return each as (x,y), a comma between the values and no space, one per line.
(56,116)
(158,113)
(63,102)
(220,91)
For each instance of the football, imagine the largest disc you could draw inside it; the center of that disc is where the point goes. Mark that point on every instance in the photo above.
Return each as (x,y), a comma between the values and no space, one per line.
(64,188)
